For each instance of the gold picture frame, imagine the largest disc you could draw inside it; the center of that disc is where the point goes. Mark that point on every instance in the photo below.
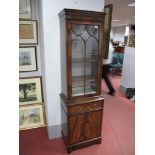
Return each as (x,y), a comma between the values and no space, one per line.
(28,32)
(107,28)
(30,90)
(31,117)
(27,59)
(25,9)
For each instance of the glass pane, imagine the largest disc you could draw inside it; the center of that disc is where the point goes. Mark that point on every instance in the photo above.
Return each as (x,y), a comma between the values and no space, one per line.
(77,49)
(92,49)
(77,79)
(84,59)
(92,30)
(77,29)
(77,91)
(90,77)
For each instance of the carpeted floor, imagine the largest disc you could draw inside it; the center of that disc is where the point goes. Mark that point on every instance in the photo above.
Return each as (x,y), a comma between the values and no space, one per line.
(117,131)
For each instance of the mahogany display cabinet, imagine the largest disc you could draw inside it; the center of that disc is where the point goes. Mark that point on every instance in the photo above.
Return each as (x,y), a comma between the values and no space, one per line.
(81,34)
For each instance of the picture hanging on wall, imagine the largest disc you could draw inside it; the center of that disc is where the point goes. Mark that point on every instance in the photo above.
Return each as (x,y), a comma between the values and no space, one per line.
(28,32)
(31,117)
(30,90)
(25,9)
(107,28)
(27,59)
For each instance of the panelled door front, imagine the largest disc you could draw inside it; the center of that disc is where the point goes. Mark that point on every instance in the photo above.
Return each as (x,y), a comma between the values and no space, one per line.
(85,126)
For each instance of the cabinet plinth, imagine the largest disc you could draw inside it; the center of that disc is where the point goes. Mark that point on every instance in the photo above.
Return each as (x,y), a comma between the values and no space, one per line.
(81,34)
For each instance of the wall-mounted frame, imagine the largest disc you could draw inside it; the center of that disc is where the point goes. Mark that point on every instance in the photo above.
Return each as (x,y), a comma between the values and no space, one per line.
(28,32)
(31,117)
(30,90)
(107,28)
(27,59)
(125,40)
(25,9)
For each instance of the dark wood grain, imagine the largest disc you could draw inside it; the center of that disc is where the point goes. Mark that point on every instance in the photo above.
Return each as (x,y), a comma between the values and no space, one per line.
(83,120)
(81,115)
(86,125)
(82,15)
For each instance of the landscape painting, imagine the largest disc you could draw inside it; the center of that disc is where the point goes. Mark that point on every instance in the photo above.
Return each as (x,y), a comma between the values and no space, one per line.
(107,28)
(28,32)
(24,58)
(30,91)
(27,92)
(31,116)
(27,59)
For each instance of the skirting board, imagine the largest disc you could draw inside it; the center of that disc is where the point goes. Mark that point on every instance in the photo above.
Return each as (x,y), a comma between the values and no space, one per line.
(54,131)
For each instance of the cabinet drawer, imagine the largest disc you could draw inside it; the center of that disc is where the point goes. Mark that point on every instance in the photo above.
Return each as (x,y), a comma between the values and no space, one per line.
(86,107)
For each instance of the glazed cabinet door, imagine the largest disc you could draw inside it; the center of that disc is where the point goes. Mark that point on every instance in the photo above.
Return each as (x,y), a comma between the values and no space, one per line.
(85,126)
(85,58)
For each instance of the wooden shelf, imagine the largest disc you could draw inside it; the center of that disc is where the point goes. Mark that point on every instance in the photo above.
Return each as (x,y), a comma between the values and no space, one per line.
(80,91)
(79,81)
(78,60)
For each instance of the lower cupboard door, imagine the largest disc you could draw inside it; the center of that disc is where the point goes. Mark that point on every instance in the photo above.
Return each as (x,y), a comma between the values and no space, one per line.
(85,126)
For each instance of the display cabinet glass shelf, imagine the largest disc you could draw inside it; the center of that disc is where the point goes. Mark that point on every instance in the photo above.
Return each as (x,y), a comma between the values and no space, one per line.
(81,34)
(84,58)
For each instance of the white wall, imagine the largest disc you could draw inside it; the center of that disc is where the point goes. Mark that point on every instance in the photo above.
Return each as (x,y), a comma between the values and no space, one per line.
(50,33)
(128,72)
(118,33)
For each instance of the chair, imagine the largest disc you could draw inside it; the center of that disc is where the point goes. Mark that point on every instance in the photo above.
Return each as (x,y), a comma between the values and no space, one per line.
(117,63)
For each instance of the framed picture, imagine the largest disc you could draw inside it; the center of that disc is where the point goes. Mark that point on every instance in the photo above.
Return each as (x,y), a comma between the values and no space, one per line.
(28,32)
(25,9)
(107,29)
(125,40)
(30,90)
(31,117)
(27,59)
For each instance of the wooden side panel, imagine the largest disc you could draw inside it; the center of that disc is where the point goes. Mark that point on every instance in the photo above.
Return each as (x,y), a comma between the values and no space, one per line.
(85,126)
(63,57)
(64,120)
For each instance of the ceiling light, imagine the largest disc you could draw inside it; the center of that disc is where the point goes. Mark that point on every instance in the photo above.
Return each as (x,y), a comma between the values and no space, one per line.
(115,20)
(122,24)
(132,4)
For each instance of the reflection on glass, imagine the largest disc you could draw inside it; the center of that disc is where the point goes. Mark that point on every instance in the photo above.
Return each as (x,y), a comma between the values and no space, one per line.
(84,59)
(90,81)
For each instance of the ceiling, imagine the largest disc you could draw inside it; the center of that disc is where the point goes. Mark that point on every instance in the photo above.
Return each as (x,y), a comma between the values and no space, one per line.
(122,12)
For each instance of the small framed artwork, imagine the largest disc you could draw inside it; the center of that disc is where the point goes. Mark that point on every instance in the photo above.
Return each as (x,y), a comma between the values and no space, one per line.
(107,28)
(28,32)
(125,40)
(25,9)
(30,90)
(31,117)
(27,59)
